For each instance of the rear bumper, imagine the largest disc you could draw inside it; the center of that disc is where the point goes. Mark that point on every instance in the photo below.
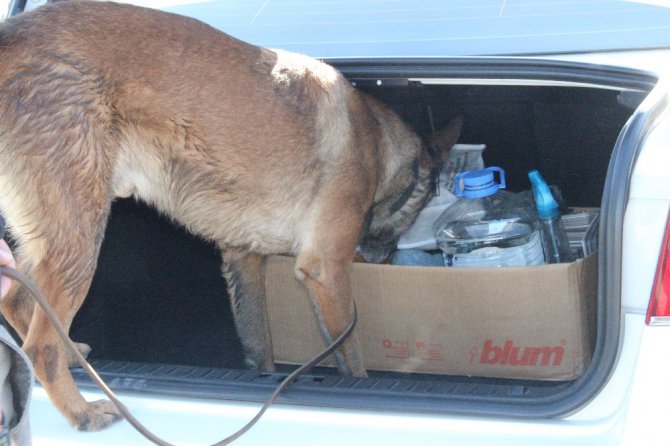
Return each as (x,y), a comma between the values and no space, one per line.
(628,410)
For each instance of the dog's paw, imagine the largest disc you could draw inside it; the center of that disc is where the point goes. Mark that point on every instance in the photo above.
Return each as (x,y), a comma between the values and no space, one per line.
(266,366)
(99,414)
(84,349)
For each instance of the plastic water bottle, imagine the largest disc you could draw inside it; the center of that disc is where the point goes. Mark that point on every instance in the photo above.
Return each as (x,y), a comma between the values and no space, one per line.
(488,226)
(555,243)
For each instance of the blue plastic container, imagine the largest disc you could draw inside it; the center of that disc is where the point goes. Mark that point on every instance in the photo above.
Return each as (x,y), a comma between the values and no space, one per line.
(555,243)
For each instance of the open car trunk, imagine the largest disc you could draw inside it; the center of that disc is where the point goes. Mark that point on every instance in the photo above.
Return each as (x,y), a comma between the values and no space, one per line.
(158,317)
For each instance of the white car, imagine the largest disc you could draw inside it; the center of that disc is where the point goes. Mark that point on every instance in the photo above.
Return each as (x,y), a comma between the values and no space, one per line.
(578,89)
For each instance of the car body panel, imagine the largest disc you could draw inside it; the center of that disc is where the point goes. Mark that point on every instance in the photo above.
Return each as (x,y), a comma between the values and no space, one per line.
(403,28)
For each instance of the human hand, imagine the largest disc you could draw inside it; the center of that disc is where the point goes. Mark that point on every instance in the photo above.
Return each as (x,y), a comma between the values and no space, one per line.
(6,259)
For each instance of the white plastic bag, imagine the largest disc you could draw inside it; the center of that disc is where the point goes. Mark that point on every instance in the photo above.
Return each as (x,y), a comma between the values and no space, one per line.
(462,158)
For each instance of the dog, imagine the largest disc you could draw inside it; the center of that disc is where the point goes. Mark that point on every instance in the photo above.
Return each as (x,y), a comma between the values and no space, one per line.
(261,151)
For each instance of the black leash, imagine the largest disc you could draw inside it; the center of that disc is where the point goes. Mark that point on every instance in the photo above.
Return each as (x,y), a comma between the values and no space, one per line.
(48,311)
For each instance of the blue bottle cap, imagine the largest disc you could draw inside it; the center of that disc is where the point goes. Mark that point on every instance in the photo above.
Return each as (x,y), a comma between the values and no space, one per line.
(479,183)
(547,207)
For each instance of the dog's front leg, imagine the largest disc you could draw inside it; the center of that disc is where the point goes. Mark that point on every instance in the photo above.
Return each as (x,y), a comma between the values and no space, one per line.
(328,281)
(245,277)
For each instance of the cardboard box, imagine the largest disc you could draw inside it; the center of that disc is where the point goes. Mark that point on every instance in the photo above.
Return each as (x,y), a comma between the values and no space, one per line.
(521,322)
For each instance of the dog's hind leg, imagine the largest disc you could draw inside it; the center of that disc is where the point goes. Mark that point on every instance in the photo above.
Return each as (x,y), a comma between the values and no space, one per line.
(244,274)
(56,172)
(64,274)
(18,306)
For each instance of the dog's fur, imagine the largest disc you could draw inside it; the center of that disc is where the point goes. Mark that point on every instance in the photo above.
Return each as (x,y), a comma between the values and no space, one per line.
(261,151)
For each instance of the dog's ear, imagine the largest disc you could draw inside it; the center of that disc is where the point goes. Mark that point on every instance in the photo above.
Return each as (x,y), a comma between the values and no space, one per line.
(443,140)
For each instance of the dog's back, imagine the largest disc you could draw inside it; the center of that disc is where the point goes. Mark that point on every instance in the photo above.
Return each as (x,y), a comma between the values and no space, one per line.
(252,120)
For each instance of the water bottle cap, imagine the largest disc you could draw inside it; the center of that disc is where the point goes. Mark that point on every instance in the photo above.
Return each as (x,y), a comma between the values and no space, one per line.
(479,183)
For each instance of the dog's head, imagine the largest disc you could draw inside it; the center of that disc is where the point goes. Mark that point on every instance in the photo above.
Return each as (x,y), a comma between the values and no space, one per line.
(411,171)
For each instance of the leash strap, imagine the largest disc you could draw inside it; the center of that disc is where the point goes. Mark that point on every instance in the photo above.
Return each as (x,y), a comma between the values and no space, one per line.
(48,311)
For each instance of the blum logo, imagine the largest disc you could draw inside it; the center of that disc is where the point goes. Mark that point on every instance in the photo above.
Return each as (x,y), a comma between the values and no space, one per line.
(510,354)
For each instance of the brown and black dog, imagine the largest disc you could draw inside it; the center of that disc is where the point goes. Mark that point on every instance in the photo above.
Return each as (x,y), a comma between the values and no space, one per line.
(261,151)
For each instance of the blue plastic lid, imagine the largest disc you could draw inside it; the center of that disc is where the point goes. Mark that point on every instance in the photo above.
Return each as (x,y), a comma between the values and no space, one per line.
(479,183)
(547,207)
